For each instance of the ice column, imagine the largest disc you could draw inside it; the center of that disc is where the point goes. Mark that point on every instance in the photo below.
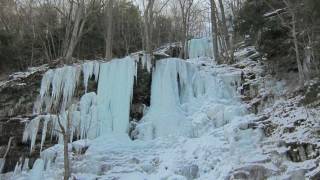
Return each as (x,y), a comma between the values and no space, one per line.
(114,96)
(173,83)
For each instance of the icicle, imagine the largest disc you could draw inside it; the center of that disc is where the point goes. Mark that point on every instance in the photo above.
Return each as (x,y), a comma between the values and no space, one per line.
(89,127)
(50,154)
(57,85)
(114,94)
(165,115)
(96,70)
(55,126)
(146,62)
(44,91)
(107,111)
(76,122)
(44,130)
(25,164)
(31,131)
(87,69)
(37,171)
(174,83)
(2,161)
(73,118)
(63,82)
(17,169)
(46,82)
(70,82)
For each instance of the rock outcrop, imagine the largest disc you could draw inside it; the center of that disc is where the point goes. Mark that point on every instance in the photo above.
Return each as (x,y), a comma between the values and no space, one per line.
(18,95)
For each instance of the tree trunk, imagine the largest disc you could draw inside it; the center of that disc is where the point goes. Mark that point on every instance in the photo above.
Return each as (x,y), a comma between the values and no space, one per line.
(148,24)
(214,28)
(183,42)
(296,48)
(65,131)
(66,156)
(148,43)
(109,34)
(224,25)
(76,34)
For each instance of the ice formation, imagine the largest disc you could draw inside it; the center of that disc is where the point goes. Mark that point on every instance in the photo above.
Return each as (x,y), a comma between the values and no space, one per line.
(90,69)
(88,125)
(201,47)
(2,161)
(37,170)
(174,82)
(192,129)
(146,62)
(22,165)
(58,86)
(115,90)
(95,114)
(31,131)
(177,83)
(144,59)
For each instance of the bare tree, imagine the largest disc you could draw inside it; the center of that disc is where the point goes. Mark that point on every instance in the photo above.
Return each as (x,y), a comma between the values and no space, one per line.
(76,18)
(64,120)
(3,159)
(65,131)
(108,12)
(148,16)
(185,7)
(224,25)
(214,27)
(292,26)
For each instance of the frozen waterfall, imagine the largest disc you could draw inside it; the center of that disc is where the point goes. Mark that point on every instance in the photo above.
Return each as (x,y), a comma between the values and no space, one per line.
(115,90)
(192,128)
(174,82)
(201,47)
(95,114)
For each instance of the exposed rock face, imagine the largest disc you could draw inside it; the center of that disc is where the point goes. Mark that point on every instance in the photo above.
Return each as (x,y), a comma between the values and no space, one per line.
(189,171)
(12,128)
(252,172)
(18,96)
(16,105)
(299,152)
(288,116)
(141,93)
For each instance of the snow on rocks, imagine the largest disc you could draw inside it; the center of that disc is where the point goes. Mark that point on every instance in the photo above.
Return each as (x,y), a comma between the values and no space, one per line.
(288,122)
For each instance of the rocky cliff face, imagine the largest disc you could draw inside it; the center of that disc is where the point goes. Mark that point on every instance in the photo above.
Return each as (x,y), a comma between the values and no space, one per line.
(16,104)
(288,115)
